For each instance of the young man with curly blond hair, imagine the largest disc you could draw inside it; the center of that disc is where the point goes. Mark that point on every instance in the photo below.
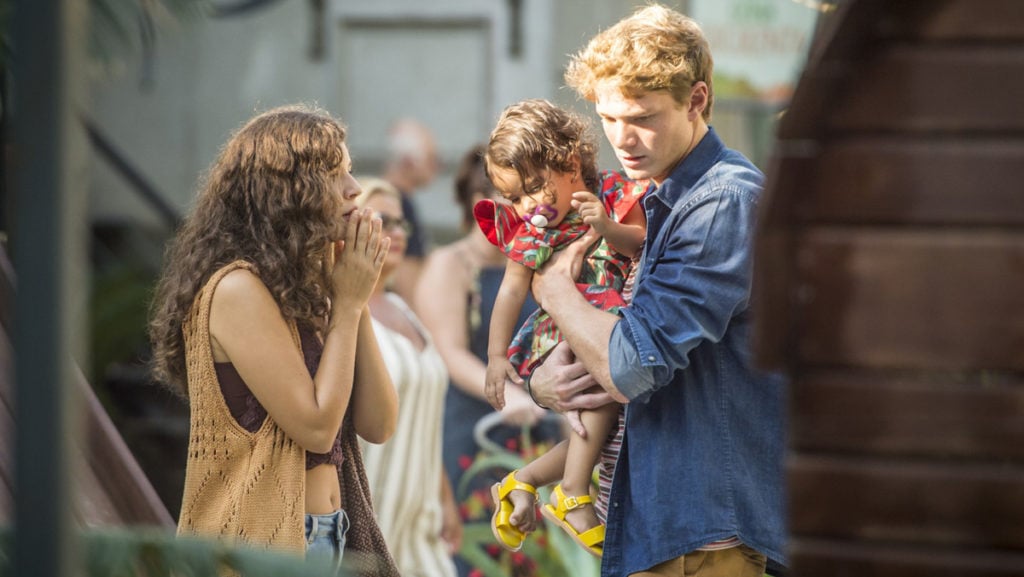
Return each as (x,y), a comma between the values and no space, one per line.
(698,486)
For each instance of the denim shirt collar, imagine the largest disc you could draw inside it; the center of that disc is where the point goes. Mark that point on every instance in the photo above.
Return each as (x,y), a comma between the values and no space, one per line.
(692,169)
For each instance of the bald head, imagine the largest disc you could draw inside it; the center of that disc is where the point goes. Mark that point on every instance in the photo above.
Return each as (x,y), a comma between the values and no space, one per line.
(412,155)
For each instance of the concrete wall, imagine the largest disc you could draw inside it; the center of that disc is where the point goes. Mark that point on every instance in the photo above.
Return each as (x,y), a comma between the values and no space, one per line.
(449,62)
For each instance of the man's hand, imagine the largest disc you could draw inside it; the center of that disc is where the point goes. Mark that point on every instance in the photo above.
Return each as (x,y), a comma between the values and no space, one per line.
(563,384)
(562,268)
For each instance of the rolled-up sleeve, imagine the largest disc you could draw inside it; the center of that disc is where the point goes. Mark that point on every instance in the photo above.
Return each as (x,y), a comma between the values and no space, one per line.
(631,374)
(698,280)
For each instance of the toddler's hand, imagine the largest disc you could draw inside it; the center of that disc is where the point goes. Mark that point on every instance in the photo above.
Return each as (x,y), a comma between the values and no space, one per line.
(592,210)
(498,369)
(494,384)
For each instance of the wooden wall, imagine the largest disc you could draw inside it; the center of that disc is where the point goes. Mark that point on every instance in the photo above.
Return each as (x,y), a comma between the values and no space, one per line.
(110,488)
(889,285)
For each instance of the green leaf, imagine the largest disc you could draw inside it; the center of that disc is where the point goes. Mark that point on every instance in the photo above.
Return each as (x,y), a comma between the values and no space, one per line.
(159,553)
(508,462)
(475,538)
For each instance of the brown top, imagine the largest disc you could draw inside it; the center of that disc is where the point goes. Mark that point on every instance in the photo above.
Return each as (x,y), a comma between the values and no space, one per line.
(249,413)
(227,493)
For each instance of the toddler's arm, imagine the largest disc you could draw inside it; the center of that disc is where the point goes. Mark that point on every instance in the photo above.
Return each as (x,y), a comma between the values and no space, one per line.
(625,237)
(509,301)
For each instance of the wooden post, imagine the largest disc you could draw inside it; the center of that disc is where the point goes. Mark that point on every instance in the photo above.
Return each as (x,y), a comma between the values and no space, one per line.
(50,259)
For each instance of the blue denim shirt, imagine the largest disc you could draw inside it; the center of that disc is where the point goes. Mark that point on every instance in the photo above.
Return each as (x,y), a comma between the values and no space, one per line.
(703,452)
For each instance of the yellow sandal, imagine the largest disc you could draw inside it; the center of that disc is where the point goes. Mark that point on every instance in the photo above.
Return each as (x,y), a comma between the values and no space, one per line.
(592,539)
(508,535)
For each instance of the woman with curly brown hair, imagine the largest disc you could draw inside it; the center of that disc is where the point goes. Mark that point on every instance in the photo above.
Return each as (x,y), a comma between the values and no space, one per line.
(260,319)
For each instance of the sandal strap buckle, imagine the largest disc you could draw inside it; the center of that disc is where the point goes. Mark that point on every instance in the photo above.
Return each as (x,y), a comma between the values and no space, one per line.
(570,503)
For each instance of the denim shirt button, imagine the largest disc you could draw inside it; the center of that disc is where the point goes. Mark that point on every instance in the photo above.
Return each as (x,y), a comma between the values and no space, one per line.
(650,359)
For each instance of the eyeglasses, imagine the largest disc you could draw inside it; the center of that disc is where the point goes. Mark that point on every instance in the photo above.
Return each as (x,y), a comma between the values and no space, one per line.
(393,223)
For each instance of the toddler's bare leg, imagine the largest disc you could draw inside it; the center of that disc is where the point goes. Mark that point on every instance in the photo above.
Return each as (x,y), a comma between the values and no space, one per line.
(544,470)
(581,456)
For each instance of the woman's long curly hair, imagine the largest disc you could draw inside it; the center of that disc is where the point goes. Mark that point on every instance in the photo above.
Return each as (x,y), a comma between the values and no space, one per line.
(270,199)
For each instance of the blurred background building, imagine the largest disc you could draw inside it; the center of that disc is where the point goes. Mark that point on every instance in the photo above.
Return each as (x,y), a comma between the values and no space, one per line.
(453,64)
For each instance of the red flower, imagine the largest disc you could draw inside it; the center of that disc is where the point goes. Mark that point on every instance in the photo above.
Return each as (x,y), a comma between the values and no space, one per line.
(518,558)
(465,461)
(493,550)
(512,444)
(476,573)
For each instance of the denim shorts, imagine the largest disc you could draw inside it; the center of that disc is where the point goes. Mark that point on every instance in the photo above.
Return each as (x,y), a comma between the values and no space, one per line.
(325,537)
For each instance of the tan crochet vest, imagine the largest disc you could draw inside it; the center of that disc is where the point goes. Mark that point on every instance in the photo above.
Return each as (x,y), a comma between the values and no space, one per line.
(243,486)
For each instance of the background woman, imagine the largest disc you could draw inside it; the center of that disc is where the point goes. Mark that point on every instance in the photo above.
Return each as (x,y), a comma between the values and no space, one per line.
(455,298)
(411,494)
(270,274)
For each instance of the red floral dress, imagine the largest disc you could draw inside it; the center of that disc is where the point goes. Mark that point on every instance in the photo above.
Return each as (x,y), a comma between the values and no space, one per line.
(601,278)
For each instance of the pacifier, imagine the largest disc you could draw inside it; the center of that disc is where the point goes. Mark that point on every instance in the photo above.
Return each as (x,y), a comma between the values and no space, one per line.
(542,215)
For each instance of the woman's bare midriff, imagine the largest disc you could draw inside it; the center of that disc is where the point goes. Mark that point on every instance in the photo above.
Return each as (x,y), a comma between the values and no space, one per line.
(323,493)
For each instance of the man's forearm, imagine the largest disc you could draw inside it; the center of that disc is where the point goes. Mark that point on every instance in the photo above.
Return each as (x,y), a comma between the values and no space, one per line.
(586,328)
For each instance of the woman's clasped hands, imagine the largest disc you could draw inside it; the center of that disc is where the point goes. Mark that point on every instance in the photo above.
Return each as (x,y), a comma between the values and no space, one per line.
(358,259)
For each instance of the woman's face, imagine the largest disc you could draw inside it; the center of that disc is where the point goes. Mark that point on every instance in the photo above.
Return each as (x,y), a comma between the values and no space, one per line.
(395,227)
(547,194)
(347,189)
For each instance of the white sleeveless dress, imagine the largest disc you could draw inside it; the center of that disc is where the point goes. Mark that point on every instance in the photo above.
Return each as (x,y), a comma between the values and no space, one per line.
(405,472)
